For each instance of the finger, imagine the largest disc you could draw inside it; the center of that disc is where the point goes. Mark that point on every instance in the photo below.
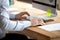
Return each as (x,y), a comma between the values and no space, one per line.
(24,18)
(27,13)
(23,13)
(41,22)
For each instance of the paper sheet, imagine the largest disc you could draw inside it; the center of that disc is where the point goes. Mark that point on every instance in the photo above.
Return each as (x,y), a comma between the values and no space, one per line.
(51,27)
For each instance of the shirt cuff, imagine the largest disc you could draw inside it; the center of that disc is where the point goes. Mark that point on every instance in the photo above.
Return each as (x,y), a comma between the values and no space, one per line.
(12,16)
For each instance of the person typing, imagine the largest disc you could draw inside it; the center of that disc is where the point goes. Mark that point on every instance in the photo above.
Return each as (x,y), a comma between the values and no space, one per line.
(7,24)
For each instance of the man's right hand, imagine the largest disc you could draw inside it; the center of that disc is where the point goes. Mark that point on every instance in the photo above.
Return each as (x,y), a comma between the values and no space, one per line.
(37,21)
(21,16)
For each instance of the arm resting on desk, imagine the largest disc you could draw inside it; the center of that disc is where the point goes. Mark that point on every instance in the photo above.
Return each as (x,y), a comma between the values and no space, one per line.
(13,25)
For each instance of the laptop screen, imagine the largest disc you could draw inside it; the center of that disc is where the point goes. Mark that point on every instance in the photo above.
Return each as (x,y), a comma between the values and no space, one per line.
(50,3)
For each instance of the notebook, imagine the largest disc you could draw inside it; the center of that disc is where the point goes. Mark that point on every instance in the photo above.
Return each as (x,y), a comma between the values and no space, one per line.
(51,27)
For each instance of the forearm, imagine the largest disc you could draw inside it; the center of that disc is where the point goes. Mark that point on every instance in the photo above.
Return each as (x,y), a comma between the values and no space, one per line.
(15,25)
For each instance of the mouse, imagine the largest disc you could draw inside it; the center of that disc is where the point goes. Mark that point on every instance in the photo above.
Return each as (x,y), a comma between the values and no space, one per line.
(48,20)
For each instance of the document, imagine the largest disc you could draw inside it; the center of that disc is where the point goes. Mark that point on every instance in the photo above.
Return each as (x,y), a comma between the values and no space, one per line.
(51,27)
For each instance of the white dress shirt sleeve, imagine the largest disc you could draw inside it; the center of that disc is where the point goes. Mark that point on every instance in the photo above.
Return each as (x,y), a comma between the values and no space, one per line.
(15,25)
(5,5)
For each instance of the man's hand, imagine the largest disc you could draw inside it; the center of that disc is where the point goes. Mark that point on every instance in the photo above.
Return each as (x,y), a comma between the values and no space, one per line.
(20,16)
(37,21)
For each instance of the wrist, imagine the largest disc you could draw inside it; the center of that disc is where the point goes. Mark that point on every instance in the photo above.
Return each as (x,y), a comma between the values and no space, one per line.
(32,23)
(17,17)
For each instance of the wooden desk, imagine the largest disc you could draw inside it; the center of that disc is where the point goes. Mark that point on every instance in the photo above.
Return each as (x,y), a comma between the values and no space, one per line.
(40,34)
(37,33)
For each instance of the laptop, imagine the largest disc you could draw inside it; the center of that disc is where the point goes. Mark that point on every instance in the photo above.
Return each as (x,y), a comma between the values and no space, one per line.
(47,6)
